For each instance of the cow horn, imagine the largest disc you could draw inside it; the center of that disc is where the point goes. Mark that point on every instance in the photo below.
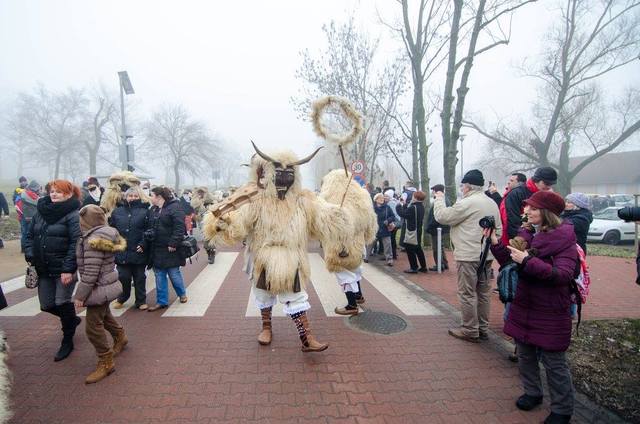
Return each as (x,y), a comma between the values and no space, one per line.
(307,159)
(262,155)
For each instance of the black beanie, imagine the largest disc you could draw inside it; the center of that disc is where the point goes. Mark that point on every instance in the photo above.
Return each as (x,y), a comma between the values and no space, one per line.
(473,177)
(546,174)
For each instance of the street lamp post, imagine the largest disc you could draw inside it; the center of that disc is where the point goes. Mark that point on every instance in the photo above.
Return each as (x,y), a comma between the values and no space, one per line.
(126,149)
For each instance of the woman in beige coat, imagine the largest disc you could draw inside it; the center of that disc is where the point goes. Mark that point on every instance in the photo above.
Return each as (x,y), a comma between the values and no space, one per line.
(98,286)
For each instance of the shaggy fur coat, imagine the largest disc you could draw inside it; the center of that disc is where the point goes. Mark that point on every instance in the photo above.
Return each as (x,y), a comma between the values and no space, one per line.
(277,231)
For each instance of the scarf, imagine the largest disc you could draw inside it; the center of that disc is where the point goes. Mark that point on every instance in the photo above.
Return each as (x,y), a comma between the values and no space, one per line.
(96,195)
(53,212)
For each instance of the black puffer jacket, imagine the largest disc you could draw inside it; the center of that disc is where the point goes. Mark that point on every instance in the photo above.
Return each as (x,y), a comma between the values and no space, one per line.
(581,220)
(169,230)
(51,240)
(413,214)
(131,219)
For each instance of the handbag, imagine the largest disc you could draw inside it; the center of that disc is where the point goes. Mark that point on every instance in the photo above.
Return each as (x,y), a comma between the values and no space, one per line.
(188,247)
(31,277)
(411,236)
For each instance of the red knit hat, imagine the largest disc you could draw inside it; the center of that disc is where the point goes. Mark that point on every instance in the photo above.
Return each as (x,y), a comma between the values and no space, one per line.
(546,200)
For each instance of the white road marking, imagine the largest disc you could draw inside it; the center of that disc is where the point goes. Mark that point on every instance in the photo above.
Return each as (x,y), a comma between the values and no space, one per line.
(204,288)
(399,295)
(326,286)
(13,284)
(27,308)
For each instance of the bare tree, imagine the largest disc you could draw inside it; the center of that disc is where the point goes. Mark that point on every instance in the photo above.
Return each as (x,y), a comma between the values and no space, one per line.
(589,40)
(183,142)
(49,124)
(101,111)
(349,67)
(424,36)
(470,21)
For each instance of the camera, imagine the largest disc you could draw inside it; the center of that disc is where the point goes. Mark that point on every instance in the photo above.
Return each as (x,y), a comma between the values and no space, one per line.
(149,235)
(629,213)
(488,222)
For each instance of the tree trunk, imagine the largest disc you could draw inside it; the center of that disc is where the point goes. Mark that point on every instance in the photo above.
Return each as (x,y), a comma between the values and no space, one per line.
(563,186)
(93,156)
(415,171)
(449,158)
(56,173)
(176,174)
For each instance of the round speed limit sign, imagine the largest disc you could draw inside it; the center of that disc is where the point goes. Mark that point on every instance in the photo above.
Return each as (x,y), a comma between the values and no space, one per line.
(357,167)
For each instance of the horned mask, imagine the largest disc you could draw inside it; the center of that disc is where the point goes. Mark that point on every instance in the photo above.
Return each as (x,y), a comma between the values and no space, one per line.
(285,174)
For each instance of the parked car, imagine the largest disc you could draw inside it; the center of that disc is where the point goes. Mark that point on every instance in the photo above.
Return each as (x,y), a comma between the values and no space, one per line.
(608,228)
(623,200)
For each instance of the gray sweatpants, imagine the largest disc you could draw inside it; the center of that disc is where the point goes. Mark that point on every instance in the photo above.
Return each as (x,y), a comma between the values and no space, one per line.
(558,376)
(51,292)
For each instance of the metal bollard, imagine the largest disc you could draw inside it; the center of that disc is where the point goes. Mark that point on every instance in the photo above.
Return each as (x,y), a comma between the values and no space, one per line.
(439,247)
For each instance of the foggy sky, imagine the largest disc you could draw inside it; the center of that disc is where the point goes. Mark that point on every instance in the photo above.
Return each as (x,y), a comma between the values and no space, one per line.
(232,64)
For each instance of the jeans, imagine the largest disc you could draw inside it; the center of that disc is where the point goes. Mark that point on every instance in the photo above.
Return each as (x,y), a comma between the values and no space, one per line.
(558,376)
(24,229)
(52,293)
(126,273)
(162,289)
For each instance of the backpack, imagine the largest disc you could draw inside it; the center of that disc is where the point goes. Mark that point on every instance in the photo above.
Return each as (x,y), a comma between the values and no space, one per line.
(29,210)
(580,284)
(508,282)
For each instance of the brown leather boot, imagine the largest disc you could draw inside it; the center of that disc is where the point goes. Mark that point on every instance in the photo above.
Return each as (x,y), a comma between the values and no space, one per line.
(309,343)
(119,342)
(103,369)
(264,338)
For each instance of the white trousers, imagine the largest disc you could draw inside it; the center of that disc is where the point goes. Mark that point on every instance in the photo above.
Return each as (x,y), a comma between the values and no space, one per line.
(293,302)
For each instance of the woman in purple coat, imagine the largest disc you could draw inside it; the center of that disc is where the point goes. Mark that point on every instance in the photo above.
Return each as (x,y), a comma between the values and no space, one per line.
(539,319)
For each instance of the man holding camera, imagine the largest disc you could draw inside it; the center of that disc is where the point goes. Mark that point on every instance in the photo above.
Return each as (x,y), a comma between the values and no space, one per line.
(632,214)
(474,289)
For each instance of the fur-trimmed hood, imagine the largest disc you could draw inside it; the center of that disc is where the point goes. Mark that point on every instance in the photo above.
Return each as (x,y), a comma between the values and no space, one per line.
(105,239)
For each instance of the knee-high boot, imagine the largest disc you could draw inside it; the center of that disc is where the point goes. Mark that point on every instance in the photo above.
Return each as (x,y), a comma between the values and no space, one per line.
(69,321)
(264,338)
(309,343)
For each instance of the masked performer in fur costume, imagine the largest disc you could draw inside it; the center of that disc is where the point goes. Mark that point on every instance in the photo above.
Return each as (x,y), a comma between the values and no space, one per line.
(118,184)
(277,223)
(201,201)
(339,188)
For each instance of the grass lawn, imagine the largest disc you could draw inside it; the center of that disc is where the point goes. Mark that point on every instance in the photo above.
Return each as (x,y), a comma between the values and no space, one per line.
(605,364)
(619,251)
(9,227)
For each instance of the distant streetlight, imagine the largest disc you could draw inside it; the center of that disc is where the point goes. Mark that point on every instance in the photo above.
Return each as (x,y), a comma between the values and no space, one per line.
(126,149)
(462,136)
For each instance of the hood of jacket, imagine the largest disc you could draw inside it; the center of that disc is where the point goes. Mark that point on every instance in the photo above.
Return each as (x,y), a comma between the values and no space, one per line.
(106,239)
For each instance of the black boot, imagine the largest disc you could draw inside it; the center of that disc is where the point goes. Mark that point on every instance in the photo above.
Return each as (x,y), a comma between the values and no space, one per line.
(211,256)
(359,296)
(69,321)
(554,418)
(527,403)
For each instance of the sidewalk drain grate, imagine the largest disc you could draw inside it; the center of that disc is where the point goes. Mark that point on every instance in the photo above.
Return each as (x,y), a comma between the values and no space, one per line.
(378,322)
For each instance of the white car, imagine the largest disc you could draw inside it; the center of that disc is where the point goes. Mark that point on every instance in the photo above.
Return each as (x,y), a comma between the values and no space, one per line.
(623,200)
(608,228)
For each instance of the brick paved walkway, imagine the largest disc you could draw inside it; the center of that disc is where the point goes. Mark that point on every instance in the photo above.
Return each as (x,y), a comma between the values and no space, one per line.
(211,369)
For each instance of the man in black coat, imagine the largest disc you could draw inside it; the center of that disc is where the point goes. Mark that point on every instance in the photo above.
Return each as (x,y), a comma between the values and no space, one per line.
(432,229)
(543,180)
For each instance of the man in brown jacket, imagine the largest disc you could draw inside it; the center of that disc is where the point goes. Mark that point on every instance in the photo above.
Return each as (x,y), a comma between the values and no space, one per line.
(98,286)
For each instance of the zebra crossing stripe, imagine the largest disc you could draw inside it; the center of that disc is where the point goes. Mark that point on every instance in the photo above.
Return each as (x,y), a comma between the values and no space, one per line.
(204,288)
(27,308)
(13,284)
(326,286)
(398,294)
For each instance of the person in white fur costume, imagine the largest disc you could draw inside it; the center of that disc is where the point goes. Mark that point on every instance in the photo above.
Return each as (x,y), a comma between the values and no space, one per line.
(277,224)
(356,202)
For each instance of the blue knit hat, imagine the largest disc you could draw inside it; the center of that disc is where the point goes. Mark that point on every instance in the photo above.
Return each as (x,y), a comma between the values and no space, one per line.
(581,200)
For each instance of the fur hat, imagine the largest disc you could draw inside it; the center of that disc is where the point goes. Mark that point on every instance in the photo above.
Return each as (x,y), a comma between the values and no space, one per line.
(92,216)
(546,200)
